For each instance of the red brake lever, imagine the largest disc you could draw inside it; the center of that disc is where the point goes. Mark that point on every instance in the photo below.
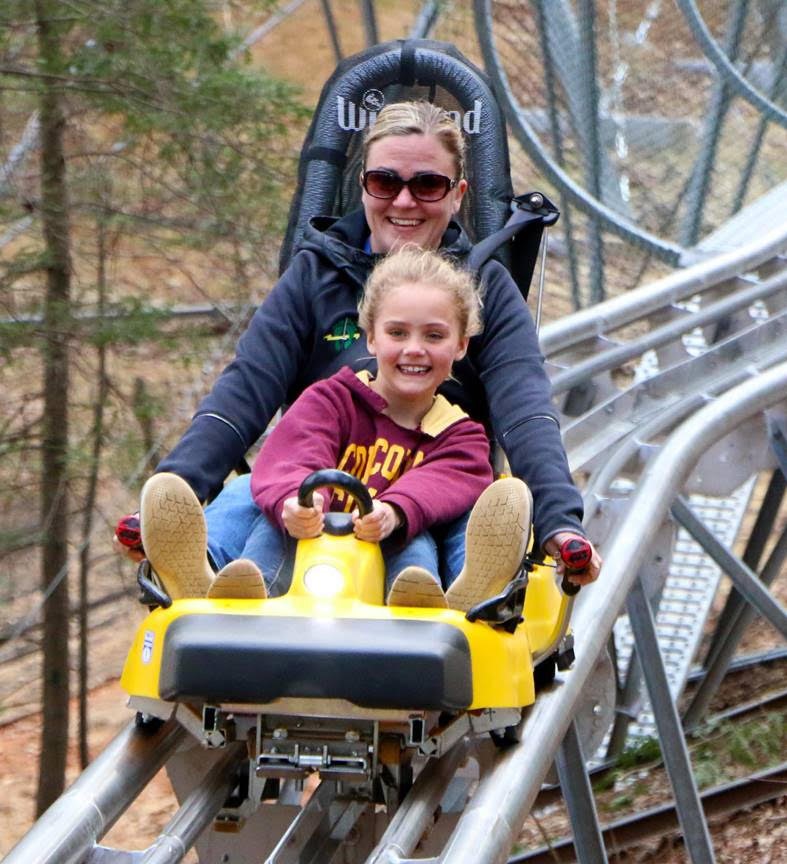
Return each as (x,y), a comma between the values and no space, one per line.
(575,553)
(129,533)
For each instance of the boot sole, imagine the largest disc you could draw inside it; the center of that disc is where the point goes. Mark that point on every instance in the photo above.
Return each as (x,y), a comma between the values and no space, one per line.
(174,536)
(497,536)
(416,587)
(239,580)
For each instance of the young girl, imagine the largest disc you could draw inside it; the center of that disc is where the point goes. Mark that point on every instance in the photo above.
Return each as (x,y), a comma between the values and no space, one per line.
(424,461)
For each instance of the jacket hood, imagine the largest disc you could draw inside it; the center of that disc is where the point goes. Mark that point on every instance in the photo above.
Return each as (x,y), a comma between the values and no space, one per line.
(437,419)
(341,241)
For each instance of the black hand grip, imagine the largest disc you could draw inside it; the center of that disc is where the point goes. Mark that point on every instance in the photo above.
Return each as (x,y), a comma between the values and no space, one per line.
(339,479)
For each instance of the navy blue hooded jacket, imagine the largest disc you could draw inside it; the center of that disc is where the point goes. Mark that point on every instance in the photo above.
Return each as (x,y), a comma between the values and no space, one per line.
(306,329)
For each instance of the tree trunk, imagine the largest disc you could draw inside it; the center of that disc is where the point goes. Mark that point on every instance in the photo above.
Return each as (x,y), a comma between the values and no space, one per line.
(90,499)
(54,475)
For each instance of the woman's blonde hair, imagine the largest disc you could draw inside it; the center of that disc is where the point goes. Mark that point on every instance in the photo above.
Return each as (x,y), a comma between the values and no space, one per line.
(413,265)
(418,118)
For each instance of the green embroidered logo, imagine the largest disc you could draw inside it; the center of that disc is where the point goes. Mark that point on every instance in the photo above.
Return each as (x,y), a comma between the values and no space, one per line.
(343,334)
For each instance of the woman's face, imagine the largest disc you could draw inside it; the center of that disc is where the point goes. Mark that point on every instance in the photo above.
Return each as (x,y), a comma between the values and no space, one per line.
(404,219)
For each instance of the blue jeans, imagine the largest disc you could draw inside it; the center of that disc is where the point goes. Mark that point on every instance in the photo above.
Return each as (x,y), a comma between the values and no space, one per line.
(238,529)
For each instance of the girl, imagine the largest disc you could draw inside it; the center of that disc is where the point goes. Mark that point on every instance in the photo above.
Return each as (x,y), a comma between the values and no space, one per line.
(424,461)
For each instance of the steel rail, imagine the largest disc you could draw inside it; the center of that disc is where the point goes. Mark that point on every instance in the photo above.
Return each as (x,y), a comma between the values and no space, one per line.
(527,137)
(618,354)
(649,299)
(729,74)
(627,833)
(667,416)
(696,191)
(417,810)
(74,824)
(197,811)
(623,425)
(745,662)
(489,826)
(773,701)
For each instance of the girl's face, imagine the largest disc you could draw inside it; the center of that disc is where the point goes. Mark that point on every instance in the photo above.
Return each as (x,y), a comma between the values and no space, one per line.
(405,219)
(416,338)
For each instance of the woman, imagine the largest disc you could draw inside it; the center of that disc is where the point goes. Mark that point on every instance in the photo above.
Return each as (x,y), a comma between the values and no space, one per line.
(307,329)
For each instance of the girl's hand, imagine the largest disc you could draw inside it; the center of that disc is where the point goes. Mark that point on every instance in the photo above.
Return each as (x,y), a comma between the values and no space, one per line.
(577,577)
(377,525)
(303,522)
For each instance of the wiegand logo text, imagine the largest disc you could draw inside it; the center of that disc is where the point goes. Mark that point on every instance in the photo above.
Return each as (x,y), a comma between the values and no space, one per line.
(354,117)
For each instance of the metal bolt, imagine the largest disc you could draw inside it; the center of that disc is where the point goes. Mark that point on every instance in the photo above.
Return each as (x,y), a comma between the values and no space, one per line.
(537,200)
(280,733)
(351,736)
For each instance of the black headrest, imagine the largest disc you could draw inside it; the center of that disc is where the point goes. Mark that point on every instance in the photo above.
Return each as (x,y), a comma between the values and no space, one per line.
(405,69)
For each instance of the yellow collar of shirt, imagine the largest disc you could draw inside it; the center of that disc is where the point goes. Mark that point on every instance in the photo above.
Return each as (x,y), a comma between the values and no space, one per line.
(438,418)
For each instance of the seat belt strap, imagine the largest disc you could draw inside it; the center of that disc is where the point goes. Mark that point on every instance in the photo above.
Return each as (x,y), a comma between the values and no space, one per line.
(532,212)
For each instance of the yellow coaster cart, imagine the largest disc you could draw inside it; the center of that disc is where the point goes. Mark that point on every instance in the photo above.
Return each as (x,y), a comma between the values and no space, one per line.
(328,679)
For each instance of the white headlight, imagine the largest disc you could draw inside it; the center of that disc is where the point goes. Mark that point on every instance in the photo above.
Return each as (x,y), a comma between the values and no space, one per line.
(323,580)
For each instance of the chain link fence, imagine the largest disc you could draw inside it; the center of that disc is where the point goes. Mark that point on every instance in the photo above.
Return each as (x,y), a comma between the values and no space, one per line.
(653,124)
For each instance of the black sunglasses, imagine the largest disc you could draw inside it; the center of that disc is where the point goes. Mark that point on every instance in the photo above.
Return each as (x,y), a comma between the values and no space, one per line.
(423,186)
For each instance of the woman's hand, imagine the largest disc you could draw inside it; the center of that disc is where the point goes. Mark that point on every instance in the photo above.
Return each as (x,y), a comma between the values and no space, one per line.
(127,540)
(377,525)
(303,522)
(577,577)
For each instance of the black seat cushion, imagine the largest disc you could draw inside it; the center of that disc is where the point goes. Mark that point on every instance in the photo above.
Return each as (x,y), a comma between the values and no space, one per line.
(396,71)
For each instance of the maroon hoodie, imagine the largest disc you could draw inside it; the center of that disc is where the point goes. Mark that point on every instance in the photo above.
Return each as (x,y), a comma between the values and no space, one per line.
(433,473)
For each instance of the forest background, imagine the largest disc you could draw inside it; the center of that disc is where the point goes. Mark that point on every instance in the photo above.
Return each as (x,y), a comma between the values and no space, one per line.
(147,160)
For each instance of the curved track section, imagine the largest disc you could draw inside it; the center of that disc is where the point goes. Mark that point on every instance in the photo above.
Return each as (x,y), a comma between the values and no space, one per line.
(654,129)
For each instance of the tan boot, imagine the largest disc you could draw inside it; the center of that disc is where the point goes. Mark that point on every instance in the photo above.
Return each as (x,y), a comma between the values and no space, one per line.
(175,536)
(239,580)
(496,539)
(415,586)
